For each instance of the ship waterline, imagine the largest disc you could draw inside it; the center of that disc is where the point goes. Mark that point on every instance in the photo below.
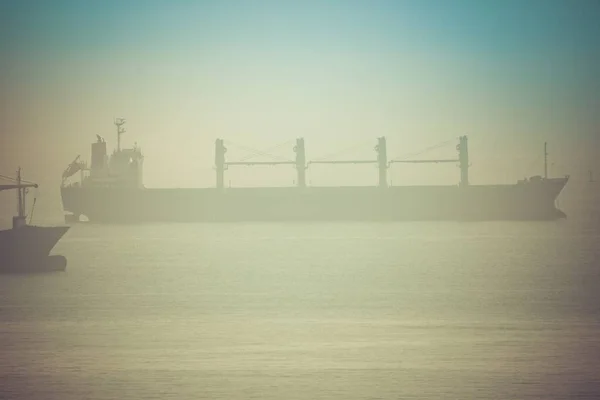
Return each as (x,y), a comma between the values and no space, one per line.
(27,249)
(523,201)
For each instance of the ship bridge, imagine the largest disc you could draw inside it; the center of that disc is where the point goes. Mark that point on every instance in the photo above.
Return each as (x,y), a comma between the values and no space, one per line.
(124,167)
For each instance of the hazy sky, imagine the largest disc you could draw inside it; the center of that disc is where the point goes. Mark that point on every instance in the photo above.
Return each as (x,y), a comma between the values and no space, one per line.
(510,74)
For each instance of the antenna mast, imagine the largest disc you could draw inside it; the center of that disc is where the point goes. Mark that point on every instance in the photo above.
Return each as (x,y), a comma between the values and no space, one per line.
(119,122)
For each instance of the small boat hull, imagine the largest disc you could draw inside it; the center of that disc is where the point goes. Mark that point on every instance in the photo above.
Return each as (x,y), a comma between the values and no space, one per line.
(27,249)
(48,264)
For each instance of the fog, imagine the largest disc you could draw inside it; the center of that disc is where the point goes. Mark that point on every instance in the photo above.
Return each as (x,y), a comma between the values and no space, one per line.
(339,74)
(437,290)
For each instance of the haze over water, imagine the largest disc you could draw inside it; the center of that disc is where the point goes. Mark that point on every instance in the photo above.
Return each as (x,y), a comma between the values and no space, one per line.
(317,310)
(339,73)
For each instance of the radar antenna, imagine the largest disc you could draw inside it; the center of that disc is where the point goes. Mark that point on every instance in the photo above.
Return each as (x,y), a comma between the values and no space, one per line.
(119,122)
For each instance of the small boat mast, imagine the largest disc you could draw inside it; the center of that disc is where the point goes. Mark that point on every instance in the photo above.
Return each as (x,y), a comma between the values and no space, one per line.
(21,186)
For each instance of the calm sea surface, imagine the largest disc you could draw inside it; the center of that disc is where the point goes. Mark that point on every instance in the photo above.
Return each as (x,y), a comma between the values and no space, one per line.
(498,310)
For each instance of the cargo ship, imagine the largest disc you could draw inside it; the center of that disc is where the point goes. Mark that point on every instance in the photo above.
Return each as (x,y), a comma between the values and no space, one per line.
(111,190)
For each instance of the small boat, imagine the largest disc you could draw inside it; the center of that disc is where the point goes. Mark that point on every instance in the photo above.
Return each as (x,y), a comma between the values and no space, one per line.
(26,248)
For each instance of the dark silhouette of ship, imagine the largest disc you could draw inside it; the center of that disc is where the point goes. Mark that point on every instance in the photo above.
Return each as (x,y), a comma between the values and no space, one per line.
(111,190)
(26,248)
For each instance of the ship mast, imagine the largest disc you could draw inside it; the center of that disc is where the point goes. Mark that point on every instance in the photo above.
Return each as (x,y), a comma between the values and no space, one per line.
(19,220)
(119,122)
(546,160)
(20,195)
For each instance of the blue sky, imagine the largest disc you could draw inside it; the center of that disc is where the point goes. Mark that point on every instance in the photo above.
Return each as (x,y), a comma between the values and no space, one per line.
(508,73)
(496,29)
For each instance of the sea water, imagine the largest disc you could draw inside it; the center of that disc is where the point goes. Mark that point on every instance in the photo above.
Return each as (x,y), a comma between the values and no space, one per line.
(448,310)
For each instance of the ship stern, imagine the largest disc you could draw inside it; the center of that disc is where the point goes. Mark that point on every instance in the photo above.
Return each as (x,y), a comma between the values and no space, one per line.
(71,204)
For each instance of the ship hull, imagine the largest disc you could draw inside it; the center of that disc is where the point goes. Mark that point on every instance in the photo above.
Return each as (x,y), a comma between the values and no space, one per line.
(527,201)
(27,249)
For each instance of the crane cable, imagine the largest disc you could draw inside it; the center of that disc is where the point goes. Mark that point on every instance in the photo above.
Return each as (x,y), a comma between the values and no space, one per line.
(343,151)
(406,157)
(15,180)
(256,152)
(267,152)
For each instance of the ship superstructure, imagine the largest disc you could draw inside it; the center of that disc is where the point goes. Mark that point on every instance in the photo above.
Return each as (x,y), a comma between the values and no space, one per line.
(123,168)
